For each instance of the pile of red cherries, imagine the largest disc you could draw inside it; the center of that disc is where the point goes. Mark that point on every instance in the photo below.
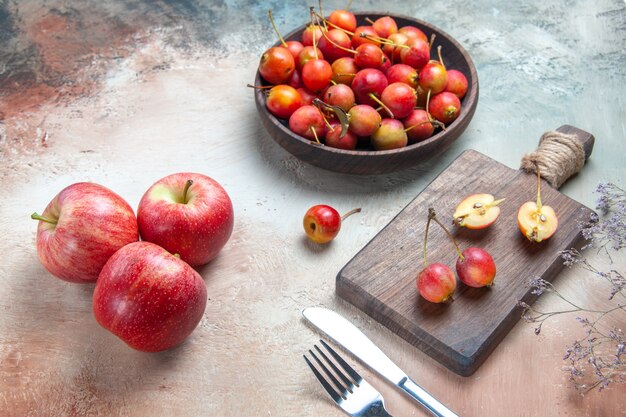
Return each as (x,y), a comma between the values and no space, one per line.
(372,86)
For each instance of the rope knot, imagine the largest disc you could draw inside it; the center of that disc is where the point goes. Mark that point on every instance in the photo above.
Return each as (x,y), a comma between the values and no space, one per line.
(558,157)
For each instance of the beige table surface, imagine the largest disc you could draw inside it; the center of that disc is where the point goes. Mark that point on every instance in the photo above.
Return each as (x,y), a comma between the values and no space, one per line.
(123,94)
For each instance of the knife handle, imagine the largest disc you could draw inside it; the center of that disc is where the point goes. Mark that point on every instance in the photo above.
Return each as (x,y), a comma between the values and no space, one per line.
(425,399)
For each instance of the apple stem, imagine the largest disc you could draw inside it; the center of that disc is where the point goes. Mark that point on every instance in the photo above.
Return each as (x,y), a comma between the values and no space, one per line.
(36,216)
(431,214)
(350,213)
(496,202)
(187,185)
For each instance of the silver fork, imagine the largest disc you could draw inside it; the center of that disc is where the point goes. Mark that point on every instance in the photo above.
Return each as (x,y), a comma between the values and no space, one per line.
(351,392)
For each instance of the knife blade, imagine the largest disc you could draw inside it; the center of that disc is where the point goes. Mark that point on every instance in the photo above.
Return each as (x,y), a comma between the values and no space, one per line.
(346,334)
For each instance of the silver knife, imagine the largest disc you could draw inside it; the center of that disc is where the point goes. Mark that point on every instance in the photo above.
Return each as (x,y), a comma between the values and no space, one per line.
(353,340)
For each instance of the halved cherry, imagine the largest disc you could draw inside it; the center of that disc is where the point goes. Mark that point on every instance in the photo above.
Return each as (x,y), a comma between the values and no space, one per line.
(536,221)
(477,211)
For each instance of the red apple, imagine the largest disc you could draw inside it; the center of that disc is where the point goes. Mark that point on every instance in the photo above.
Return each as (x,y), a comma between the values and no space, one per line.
(187,214)
(148,297)
(81,228)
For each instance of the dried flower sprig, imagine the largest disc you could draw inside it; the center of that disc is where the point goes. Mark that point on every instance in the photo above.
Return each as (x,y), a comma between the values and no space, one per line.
(610,232)
(597,359)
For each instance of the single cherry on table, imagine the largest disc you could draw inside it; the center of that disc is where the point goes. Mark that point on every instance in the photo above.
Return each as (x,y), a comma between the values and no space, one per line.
(322,222)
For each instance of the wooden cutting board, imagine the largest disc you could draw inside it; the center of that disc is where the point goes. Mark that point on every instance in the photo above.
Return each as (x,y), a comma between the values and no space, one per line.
(381,278)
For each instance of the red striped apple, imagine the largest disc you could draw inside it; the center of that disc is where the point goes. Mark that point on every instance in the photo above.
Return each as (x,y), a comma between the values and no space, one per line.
(81,228)
(148,297)
(187,214)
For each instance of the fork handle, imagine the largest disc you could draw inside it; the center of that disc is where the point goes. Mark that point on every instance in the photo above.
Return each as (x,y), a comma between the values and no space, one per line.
(428,401)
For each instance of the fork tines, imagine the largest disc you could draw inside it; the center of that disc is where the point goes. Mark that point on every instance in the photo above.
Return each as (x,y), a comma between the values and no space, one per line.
(350,379)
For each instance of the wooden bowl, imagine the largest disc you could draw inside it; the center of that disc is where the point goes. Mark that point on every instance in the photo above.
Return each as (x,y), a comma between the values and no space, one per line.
(371,161)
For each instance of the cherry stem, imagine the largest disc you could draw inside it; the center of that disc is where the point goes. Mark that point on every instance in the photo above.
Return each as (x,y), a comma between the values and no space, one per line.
(187,185)
(327,23)
(426,239)
(338,111)
(319,4)
(377,100)
(432,40)
(431,118)
(419,124)
(313,16)
(36,216)
(315,135)
(352,51)
(261,87)
(350,213)
(328,125)
(538,189)
(440,58)
(282,41)
(314,22)
(384,41)
(433,215)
